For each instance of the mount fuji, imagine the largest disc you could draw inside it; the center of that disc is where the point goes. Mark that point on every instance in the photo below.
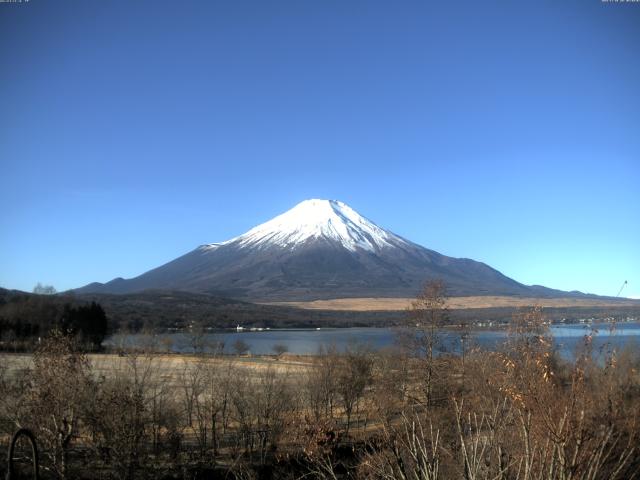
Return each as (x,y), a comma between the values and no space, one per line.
(320,249)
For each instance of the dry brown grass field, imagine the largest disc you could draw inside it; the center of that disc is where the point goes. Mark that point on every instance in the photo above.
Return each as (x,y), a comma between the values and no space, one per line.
(455,303)
(173,365)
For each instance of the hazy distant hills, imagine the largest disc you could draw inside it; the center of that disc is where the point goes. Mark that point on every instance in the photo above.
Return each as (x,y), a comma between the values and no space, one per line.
(320,249)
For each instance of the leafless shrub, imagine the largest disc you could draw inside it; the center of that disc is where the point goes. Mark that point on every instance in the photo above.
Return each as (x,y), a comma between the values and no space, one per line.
(240,347)
(262,407)
(320,384)
(407,450)
(354,375)
(279,349)
(561,426)
(55,397)
(125,413)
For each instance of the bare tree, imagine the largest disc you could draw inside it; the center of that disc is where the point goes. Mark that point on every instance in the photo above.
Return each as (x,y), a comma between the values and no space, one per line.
(273,400)
(217,389)
(261,408)
(240,347)
(427,314)
(121,412)
(320,384)
(354,375)
(60,383)
(411,450)
(198,337)
(41,289)
(280,349)
(191,384)
(391,385)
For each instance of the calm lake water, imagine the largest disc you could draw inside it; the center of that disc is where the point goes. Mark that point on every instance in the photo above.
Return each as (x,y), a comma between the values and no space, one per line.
(308,342)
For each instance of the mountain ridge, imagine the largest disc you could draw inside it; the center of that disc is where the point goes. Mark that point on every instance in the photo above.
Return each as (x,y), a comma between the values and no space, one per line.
(319,249)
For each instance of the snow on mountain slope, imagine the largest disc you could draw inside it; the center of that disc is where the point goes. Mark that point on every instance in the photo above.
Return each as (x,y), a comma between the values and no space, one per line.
(315,219)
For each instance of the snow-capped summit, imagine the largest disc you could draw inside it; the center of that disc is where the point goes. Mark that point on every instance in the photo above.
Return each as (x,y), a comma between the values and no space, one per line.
(319,219)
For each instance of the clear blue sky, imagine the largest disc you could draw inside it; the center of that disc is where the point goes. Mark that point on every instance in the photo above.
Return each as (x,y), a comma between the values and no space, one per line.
(507,132)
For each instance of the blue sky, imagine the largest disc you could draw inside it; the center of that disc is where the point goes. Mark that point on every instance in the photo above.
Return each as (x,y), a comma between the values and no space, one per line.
(506,132)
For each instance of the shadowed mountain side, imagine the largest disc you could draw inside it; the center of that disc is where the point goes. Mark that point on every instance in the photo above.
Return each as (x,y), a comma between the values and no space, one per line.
(316,270)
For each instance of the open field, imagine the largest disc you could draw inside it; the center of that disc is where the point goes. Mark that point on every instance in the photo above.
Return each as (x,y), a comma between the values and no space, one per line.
(454,303)
(172,366)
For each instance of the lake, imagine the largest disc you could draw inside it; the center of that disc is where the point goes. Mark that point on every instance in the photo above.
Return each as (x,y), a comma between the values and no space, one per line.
(308,341)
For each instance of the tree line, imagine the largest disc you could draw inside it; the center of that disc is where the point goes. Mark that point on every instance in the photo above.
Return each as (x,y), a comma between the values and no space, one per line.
(26,318)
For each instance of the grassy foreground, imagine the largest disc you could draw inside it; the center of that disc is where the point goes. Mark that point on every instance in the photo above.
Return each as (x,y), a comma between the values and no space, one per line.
(519,413)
